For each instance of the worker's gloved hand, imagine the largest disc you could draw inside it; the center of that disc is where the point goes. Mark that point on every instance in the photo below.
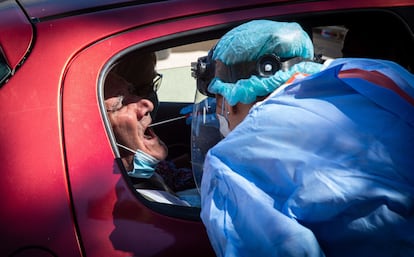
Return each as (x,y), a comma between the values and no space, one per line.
(187,111)
(207,107)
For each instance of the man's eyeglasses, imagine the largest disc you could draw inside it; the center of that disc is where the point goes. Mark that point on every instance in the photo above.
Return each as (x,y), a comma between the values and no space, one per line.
(145,90)
(156,82)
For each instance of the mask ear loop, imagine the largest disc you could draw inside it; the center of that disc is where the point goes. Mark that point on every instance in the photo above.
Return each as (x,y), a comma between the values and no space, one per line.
(126,148)
(223,108)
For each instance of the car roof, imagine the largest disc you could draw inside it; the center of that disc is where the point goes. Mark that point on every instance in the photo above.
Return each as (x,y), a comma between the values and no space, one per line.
(38,9)
(50,9)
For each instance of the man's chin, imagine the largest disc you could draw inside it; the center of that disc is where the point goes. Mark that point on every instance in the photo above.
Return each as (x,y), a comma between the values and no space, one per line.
(159,151)
(163,153)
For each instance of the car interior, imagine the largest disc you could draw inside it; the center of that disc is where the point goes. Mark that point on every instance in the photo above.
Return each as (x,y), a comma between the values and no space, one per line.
(176,52)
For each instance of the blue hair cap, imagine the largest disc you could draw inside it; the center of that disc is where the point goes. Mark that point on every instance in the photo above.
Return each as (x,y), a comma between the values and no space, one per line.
(252,40)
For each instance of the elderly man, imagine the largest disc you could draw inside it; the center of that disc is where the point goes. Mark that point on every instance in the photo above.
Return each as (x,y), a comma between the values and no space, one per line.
(131,102)
(129,105)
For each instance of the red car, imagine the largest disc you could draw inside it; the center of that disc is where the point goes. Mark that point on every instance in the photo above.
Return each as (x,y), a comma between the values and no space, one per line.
(63,190)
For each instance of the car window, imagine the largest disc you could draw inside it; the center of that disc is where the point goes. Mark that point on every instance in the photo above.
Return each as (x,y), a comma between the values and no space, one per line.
(5,70)
(378,35)
(172,183)
(328,40)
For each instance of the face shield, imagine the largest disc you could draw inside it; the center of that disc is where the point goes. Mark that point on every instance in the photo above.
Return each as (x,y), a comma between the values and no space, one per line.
(205,132)
(205,127)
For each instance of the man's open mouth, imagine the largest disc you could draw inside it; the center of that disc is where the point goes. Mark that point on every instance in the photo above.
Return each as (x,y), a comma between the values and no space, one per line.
(149,133)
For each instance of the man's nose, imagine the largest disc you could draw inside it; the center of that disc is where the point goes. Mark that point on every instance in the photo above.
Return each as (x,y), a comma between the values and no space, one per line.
(144,107)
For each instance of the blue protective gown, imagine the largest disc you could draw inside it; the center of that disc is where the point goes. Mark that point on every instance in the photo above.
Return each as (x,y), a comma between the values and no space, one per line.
(322,167)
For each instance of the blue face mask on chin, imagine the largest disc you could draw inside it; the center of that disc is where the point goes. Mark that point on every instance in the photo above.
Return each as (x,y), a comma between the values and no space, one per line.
(144,164)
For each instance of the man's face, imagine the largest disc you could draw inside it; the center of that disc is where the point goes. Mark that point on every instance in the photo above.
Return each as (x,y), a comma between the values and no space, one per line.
(129,115)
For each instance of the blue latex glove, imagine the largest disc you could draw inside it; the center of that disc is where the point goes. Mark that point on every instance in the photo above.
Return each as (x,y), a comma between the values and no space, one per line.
(210,117)
(188,111)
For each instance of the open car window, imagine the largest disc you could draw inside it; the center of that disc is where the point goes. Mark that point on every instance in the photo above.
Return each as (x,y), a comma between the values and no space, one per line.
(172,183)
